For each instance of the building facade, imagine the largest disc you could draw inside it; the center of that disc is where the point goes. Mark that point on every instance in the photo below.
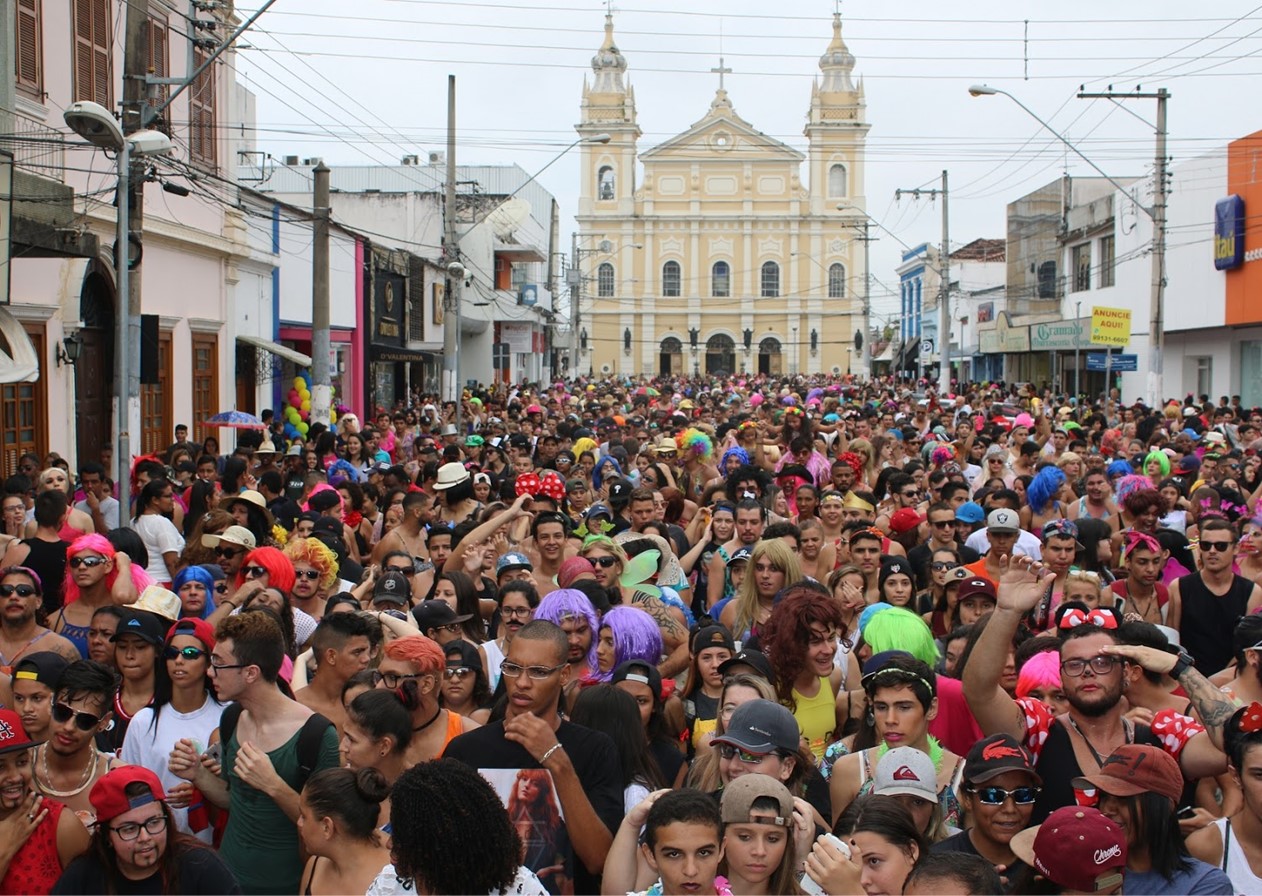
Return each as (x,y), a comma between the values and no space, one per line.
(722,256)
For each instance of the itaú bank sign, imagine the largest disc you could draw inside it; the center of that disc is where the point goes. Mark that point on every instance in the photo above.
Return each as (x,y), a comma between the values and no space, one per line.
(1229,222)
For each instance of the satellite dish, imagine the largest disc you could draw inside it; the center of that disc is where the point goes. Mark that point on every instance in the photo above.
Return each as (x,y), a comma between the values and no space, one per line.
(508,216)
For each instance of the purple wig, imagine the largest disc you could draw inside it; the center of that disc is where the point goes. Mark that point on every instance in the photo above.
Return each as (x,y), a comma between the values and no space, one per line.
(567,603)
(635,637)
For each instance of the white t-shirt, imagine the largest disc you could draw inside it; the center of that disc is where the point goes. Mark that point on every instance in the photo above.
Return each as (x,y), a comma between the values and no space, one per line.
(524,884)
(160,537)
(109,511)
(151,747)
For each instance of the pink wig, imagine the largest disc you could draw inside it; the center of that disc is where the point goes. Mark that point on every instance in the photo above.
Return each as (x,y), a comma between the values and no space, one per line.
(1040,671)
(98,544)
(280,572)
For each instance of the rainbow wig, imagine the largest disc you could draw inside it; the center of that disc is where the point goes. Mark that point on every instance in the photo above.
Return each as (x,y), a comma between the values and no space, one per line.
(99,544)
(1129,484)
(900,629)
(569,603)
(317,555)
(1040,671)
(280,572)
(1162,459)
(635,637)
(1043,489)
(197,574)
(695,443)
(942,455)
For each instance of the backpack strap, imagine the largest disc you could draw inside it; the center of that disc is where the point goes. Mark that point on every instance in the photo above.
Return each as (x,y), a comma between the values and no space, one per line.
(228,723)
(309,740)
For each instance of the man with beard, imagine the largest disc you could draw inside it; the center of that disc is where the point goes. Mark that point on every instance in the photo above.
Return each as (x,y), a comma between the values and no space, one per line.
(750,517)
(1212,599)
(68,764)
(1093,667)
(20,597)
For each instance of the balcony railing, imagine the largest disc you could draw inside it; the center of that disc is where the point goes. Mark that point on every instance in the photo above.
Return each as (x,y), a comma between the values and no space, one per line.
(36,148)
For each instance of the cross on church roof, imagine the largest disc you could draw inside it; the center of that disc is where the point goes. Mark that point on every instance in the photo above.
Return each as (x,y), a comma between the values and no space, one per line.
(721,70)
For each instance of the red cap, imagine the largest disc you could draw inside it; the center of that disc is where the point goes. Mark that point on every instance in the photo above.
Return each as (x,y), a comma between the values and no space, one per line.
(109,797)
(1133,769)
(1077,848)
(12,735)
(974,586)
(197,628)
(905,519)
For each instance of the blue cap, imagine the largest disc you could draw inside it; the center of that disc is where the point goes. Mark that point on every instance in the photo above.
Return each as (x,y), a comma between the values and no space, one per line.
(970,512)
(598,510)
(512,560)
(871,610)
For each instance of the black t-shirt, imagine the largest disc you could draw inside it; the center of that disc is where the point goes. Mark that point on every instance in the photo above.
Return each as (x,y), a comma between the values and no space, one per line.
(961,842)
(595,761)
(200,871)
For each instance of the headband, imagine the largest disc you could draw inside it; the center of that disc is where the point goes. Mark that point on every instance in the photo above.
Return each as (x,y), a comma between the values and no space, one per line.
(1136,539)
(854,502)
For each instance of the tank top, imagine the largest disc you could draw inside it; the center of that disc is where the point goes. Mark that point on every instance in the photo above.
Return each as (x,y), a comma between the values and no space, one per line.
(1235,863)
(1207,616)
(37,865)
(75,634)
(817,716)
(48,559)
(1057,765)
(455,726)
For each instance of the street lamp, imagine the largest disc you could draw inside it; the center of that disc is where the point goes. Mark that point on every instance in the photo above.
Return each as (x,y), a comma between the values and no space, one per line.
(94,123)
(1156,212)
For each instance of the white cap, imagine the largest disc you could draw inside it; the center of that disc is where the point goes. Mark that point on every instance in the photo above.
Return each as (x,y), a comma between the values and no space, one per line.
(1001,519)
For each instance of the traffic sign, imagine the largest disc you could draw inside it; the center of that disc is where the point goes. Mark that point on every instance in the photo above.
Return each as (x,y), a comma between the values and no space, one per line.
(1121,362)
(926,346)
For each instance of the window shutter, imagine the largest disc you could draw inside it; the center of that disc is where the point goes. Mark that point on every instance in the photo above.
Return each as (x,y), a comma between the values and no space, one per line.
(156,64)
(83,49)
(101,82)
(29,55)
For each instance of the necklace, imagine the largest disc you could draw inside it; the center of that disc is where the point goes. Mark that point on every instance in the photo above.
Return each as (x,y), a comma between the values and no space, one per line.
(432,720)
(45,786)
(1151,603)
(1127,732)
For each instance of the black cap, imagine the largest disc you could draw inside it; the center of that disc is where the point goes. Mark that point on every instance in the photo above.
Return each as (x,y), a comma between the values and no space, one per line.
(462,653)
(620,491)
(143,625)
(435,614)
(755,659)
(393,586)
(44,667)
(644,673)
(324,501)
(328,526)
(713,636)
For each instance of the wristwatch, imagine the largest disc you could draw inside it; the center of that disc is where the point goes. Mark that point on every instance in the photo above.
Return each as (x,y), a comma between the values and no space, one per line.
(1182,664)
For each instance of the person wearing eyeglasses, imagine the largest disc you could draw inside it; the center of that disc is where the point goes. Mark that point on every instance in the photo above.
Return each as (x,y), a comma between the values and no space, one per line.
(584,764)
(1213,597)
(137,846)
(464,684)
(187,708)
(416,663)
(21,592)
(68,763)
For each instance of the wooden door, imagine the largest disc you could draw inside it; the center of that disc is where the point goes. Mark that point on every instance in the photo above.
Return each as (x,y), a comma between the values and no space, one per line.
(94,392)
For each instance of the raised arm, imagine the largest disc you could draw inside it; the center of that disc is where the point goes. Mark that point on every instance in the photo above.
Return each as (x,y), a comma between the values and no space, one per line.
(455,560)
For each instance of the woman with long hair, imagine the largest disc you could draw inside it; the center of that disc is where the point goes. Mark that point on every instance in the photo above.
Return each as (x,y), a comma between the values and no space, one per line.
(759,848)
(535,816)
(942,591)
(97,575)
(234,476)
(162,540)
(800,640)
(644,683)
(738,688)
(465,689)
(457,589)
(772,567)
(603,707)
(212,522)
(626,633)
(338,817)
(202,496)
(353,453)
(885,845)
(709,648)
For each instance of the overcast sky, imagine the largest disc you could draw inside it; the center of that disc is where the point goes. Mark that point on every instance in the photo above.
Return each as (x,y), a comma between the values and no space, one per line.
(369,87)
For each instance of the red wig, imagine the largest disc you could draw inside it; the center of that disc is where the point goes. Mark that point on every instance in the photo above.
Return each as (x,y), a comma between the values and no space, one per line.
(787,633)
(280,572)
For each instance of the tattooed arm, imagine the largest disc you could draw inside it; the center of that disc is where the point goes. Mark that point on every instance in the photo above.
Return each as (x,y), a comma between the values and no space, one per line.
(674,634)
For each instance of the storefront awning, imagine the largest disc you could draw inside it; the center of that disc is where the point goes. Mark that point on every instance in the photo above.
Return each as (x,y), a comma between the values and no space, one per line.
(18,361)
(277,349)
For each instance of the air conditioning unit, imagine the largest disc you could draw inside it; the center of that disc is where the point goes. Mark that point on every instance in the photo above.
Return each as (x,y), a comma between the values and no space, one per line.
(292,161)
(836,370)
(606,369)
(438,158)
(411,160)
(312,162)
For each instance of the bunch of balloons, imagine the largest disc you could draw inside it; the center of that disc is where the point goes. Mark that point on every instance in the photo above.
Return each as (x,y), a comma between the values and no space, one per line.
(297,411)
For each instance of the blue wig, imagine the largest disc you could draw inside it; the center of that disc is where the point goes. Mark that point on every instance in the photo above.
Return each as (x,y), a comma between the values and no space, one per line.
(1119,468)
(565,604)
(197,574)
(732,452)
(1043,488)
(635,637)
(600,463)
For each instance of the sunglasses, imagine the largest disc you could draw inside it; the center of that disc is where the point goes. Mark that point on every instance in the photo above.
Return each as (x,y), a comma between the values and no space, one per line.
(221,551)
(1212,546)
(996,796)
(309,574)
(19,590)
(84,721)
(406,570)
(456,672)
(940,566)
(603,562)
(254,572)
(188,653)
(727,751)
(89,562)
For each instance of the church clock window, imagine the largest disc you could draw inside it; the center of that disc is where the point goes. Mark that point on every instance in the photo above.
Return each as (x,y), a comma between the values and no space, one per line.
(670,279)
(605,183)
(721,279)
(838,185)
(770,280)
(604,280)
(836,281)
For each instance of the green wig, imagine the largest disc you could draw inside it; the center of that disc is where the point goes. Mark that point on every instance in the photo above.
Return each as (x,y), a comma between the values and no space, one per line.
(900,629)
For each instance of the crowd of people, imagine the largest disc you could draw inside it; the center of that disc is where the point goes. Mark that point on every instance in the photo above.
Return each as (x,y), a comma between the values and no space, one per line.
(748,636)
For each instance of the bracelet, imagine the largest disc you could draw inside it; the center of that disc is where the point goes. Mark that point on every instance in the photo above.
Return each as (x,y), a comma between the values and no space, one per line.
(546,756)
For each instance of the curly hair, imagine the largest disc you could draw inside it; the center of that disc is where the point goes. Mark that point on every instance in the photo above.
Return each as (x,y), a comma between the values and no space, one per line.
(636,636)
(315,554)
(257,640)
(788,633)
(1141,500)
(477,825)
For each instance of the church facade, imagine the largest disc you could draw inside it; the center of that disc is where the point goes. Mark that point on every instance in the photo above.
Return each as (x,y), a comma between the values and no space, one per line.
(715,252)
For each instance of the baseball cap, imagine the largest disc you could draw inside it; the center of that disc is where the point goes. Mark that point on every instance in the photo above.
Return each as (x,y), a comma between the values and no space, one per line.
(639,670)
(1077,848)
(977,585)
(993,756)
(1133,769)
(143,625)
(1060,528)
(737,801)
(1001,519)
(906,770)
(713,636)
(237,535)
(740,555)
(970,512)
(393,587)
(755,659)
(620,489)
(435,614)
(599,510)
(294,451)
(324,501)
(196,628)
(12,735)
(510,561)
(109,794)
(761,726)
(461,653)
(905,519)
(44,667)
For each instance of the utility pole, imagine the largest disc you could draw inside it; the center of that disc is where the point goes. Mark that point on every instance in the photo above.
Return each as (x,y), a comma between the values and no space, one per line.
(128,296)
(865,351)
(1157,294)
(575,278)
(944,292)
(321,379)
(453,389)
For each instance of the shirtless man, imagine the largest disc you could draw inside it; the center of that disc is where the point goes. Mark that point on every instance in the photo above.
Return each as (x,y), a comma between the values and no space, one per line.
(341,647)
(751,517)
(20,596)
